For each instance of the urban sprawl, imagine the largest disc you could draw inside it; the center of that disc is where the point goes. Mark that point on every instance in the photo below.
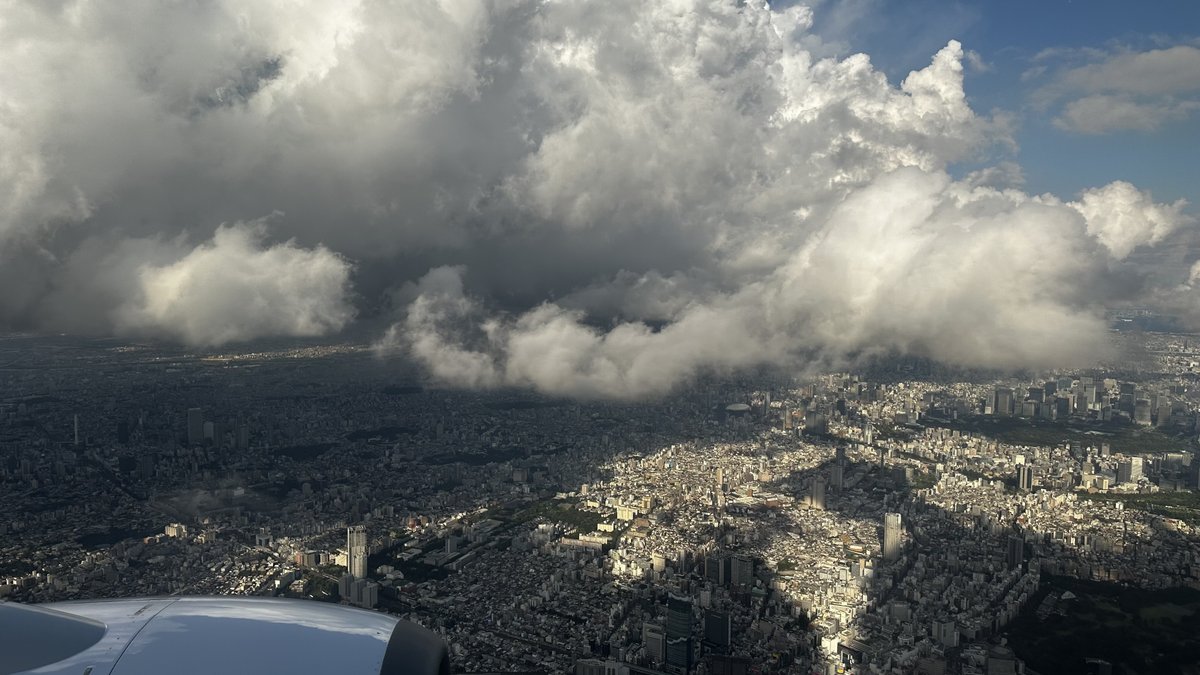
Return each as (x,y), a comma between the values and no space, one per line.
(895,520)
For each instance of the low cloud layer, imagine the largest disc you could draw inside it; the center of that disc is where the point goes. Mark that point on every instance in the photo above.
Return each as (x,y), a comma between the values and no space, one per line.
(594,199)
(912,263)
(236,288)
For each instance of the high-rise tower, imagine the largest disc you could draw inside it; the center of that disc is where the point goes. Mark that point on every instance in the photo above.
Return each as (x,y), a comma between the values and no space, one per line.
(1025,478)
(892,531)
(356,551)
(679,633)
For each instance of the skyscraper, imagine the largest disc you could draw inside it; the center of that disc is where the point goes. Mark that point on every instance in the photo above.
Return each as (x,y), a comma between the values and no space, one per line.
(1016,552)
(946,632)
(195,426)
(892,531)
(356,551)
(655,642)
(818,494)
(742,570)
(1003,401)
(1127,396)
(1130,471)
(1163,415)
(1062,407)
(1141,411)
(679,633)
(712,568)
(1025,477)
(717,633)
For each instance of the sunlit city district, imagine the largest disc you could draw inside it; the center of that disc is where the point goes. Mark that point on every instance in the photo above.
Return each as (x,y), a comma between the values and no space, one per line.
(895,520)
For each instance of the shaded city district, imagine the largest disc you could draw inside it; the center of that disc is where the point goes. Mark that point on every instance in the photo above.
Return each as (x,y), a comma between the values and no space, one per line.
(906,518)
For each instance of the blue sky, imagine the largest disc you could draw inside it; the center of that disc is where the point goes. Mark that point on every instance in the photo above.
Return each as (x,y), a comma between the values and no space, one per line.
(1009,36)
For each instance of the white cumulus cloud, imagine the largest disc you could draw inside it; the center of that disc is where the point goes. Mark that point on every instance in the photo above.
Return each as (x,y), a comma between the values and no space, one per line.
(1123,217)
(589,198)
(236,288)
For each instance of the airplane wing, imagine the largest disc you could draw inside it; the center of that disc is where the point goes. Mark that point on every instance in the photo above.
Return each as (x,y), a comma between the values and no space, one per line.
(207,635)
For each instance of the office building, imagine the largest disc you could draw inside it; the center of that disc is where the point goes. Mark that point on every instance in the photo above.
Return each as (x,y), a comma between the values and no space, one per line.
(1130,471)
(1127,397)
(945,631)
(358,592)
(1163,417)
(356,551)
(892,532)
(1141,411)
(815,423)
(1025,477)
(1002,402)
(717,631)
(655,642)
(679,633)
(1015,556)
(742,571)
(818,494)
(1062,407)
(712,568)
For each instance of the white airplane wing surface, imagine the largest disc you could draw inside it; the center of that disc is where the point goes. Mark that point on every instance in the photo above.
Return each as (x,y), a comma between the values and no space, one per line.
(206,635)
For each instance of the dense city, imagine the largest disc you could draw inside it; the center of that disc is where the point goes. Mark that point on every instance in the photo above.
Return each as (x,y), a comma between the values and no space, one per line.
(904,519)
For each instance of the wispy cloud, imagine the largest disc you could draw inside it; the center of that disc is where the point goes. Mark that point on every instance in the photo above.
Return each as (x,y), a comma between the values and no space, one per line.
(1102,91)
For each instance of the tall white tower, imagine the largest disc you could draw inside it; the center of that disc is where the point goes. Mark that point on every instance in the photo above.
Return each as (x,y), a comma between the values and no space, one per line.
(893,530)
(356,551)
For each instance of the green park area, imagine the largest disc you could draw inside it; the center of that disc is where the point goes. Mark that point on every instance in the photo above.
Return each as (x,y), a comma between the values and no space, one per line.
(560,511)
(1184,506)
(1137,631)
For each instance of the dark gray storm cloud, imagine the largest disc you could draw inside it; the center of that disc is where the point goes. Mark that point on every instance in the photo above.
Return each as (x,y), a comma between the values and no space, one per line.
(586,198)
